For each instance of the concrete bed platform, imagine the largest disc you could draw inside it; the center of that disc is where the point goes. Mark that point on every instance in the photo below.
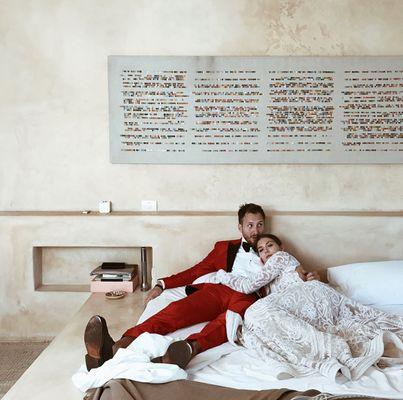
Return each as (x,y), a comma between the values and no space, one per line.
(49,377)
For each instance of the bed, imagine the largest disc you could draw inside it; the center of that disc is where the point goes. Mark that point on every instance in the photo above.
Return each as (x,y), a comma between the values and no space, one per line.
(376,284)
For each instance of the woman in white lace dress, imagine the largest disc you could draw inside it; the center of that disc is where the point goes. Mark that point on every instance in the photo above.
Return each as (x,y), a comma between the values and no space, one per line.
(309,327)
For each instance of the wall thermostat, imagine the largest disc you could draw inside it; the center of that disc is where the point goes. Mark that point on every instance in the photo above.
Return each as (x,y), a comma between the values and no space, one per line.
(104,207)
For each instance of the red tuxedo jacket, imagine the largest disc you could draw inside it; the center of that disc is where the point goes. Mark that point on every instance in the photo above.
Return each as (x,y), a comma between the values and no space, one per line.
(221,257)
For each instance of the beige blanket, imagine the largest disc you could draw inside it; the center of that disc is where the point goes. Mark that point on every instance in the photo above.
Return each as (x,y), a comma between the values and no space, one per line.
(123,389)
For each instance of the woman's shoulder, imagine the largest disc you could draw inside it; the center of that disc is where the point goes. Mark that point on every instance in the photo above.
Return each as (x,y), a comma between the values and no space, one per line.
(286,257)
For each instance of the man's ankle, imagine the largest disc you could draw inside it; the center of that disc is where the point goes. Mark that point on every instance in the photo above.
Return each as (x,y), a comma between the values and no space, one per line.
(122,343)
(196,348)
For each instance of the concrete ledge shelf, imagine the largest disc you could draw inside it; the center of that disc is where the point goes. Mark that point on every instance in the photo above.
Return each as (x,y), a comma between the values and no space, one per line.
(63,288)
(49,377)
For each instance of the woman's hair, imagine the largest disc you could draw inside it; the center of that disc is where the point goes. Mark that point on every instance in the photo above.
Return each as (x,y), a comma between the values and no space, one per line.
(269,236)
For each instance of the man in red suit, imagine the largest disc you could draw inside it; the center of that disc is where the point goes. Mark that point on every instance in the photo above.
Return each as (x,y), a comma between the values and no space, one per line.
(204,302)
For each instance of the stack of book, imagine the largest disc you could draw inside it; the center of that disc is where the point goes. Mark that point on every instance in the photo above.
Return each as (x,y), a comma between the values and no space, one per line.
(114,276)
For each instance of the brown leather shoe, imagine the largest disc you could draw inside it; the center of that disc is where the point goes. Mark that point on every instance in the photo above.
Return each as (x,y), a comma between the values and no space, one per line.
(179,353)
(98,342)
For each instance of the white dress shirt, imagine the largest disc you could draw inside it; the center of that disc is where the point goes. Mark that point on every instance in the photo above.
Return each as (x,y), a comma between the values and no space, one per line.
(246,263)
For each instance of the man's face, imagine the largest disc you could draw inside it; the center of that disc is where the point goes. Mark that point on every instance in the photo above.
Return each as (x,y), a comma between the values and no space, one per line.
(252,225)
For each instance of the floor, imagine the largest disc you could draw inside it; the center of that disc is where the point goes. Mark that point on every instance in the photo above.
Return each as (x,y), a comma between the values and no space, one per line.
(15,358)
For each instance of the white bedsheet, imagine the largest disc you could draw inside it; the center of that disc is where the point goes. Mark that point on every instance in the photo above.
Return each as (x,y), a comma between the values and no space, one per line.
(226,365)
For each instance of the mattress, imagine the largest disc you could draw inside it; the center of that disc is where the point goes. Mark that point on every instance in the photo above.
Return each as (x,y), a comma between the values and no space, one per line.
(227,365)
(237,367)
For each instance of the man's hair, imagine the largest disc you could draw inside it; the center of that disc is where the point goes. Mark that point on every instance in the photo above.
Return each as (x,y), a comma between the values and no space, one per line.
(269,236)
(249,208)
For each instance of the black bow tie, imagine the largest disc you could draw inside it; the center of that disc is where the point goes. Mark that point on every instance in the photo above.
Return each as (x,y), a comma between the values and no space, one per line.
(246,246)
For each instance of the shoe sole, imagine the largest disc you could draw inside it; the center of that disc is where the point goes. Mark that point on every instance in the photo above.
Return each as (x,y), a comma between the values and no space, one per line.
(102,341)
(178,353)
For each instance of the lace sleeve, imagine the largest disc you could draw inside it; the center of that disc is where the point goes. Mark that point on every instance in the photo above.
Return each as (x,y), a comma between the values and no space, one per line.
(275,265)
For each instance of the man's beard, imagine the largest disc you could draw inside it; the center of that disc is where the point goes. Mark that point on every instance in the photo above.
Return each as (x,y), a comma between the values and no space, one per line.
(252,241)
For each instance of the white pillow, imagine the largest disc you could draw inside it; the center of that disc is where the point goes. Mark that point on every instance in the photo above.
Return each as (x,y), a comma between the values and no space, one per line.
(371,283)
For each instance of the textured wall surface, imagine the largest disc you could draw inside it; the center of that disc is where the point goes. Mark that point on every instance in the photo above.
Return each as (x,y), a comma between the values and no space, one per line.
(54,149)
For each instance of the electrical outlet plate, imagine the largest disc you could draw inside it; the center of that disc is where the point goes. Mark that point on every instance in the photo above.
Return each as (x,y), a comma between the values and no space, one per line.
(149,205)
(104,207)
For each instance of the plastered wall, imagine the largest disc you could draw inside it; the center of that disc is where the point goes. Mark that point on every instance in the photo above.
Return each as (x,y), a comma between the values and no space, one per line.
(54,145)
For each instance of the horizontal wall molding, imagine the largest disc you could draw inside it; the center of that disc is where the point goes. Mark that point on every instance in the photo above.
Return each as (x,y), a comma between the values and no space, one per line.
(270,213)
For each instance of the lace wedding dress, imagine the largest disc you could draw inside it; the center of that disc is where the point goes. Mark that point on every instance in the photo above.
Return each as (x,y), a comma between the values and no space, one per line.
(308,327)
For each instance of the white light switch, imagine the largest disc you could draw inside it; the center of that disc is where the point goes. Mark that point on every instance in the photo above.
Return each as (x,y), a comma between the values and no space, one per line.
(149,205)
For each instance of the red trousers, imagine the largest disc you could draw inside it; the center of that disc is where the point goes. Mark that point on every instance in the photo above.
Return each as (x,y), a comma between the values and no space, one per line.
(209,303)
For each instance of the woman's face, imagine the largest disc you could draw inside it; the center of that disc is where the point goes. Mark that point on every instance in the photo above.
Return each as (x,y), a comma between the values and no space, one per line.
(266,247)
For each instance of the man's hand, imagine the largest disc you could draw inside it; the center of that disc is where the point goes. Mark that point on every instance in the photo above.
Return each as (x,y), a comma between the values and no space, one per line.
(152,294)
(307,276)
(313,276)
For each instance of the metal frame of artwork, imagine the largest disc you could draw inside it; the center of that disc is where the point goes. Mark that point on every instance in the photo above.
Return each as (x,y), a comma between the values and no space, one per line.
(256,110)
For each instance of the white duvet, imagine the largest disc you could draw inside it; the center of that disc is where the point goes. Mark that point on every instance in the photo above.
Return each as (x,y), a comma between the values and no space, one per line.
(226,365)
